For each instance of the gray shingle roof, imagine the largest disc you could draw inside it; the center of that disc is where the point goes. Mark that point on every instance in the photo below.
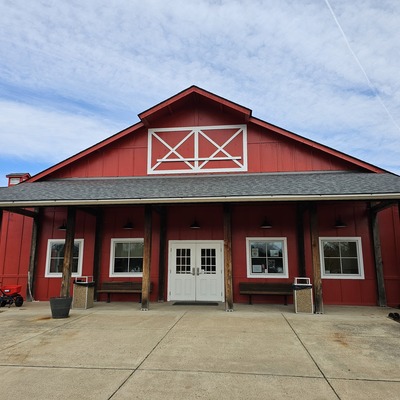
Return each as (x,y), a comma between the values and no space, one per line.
(200,188)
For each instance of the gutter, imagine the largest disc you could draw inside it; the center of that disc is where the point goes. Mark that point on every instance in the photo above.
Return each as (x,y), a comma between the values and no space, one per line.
(219,199)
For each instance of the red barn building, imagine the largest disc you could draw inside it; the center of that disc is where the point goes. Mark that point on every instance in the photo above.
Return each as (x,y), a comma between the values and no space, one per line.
(199,196)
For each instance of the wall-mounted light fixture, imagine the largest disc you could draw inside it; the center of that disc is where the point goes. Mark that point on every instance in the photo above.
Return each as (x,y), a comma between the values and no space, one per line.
(339,223)
(265,224)
(195,225)
(128,225)
(63,226)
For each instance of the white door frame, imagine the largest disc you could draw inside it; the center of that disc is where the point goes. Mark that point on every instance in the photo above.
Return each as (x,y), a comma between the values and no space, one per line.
(196,285)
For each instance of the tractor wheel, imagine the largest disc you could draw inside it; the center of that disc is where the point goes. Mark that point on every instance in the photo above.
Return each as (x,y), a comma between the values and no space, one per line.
(19,300)
(3,303)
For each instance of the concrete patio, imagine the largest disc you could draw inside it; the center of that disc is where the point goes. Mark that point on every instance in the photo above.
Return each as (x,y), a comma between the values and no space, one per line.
(115,351)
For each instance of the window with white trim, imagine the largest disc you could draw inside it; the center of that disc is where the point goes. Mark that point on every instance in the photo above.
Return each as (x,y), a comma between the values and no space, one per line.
(341,258)
(126,257)
(267,258)
(55,258)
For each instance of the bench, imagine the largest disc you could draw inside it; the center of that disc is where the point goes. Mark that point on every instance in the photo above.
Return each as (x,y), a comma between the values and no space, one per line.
(276,289)
(121,287)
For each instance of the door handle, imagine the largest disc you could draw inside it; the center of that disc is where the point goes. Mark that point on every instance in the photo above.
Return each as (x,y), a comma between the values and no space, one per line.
(193,271)
(198,271)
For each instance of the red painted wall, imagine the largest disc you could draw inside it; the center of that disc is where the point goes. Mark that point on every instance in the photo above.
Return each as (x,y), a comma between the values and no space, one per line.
(267,150)
(390,243)
(15,240)
(349,291)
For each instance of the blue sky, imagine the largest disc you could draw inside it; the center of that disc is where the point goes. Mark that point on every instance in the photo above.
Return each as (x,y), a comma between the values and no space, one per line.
(75,72)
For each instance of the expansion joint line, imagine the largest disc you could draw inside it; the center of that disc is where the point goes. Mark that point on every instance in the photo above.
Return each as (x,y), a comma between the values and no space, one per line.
(148,355)
(310,355)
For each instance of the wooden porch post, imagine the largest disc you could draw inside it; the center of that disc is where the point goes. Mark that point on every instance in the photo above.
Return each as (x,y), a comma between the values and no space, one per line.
(146,257)
(33,258)
(316,263)
(98,236)
(162,248)
(68,253)
(378,259)
(300,240)
(228,258)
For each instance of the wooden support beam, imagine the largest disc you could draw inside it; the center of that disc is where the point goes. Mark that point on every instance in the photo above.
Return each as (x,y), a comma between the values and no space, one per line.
(98,236)
(228,258)
(146,256)
(300,240)
(68,253)
(30,290)
(378,259)
(22,211)
(382,205)
(316,262)
(162,253)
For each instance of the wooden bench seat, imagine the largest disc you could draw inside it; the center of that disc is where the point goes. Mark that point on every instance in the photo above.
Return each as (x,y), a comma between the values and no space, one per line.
(276,289)
(121,288)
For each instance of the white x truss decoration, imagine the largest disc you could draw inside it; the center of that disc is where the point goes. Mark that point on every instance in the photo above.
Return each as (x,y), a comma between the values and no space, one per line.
(197,149)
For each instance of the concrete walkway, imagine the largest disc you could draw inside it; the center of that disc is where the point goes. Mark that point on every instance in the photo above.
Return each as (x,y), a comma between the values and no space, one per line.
(115,351)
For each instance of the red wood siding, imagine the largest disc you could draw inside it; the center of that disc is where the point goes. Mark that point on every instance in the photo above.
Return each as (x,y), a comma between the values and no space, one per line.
(114,220)
(268,151)
(52,219)
(390,243)
(355,216)
(246,221)
(15,239)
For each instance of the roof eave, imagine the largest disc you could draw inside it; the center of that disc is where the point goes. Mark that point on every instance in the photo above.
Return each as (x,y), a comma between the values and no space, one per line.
(219,199)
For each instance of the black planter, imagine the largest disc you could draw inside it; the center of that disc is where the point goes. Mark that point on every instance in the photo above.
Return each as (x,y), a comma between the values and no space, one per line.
(60,306)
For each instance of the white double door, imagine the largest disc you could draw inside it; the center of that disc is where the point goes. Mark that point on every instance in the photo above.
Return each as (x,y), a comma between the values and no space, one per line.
(196,271)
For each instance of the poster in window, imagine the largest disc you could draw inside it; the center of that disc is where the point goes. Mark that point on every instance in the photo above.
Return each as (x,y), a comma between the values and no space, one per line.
(254,252)
(271,266)
(257,269)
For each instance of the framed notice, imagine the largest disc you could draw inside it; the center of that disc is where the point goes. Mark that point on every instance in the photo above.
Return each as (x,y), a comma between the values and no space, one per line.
(257,269)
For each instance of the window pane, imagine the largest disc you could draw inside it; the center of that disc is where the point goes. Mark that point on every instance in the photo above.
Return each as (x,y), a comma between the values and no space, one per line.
(136,265)
(75,265)
(183,261)
(350,265)
(271,266)
(332,266)
(122,249)
(331,249)
(274,249)
(75,251)
(56,265)
(258,249)
(57,250)
(275,265)
(137,249)
(121,265)
(348,249)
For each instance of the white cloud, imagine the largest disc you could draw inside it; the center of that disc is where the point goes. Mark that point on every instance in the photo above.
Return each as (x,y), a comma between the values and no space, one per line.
(92,66)
(47,135)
